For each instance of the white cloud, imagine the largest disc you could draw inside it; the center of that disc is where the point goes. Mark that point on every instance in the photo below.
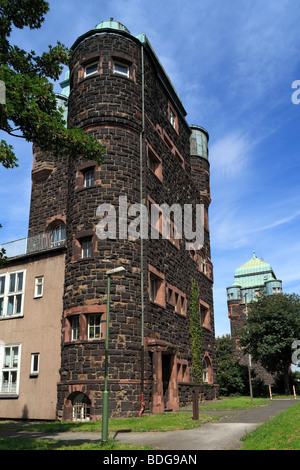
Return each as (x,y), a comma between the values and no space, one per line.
(229,156)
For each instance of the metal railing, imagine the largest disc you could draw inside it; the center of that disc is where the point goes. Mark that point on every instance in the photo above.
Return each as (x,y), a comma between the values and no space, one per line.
(28,245)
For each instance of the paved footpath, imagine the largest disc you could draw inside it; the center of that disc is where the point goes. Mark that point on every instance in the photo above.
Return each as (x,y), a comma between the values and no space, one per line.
(220,435)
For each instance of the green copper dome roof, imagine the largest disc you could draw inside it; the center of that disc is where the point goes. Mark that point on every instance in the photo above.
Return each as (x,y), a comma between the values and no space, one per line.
(253,266)
(111,24)
(254,273)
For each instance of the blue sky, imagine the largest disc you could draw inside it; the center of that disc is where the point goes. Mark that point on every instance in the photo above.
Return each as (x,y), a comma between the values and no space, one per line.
(233,64)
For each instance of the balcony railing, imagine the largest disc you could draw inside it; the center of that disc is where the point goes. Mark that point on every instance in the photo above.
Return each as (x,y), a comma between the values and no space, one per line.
(35,244)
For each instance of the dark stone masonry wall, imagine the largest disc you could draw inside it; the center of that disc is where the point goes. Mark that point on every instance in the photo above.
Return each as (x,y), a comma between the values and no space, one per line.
(110,108)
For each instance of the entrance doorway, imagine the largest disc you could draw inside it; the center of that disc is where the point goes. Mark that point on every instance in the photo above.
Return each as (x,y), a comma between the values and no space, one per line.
(166,374)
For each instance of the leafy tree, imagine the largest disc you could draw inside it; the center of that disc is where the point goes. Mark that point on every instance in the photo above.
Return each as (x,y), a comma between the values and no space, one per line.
(30,109)
(273,325)
(232,377)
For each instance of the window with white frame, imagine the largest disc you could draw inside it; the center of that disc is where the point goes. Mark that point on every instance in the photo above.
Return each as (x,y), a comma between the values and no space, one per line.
(12,294)
(75,328)
(94,327)
(91,69)
(172,118)
(89,178)
(86,248)
(39,286)
(58,235)
(10,365)
(35,363)
(121,69)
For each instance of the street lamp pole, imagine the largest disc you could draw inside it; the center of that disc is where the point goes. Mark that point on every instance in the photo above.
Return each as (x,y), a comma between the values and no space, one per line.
(105,393)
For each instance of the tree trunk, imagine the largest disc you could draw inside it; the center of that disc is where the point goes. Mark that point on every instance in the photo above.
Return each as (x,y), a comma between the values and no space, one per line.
(287,380)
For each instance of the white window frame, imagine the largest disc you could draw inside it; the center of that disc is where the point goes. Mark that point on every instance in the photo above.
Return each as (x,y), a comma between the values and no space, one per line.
(92,64)
(172,118)
(58,235)
(14,298)
(119,71)
(86,248)
(89,178)
(10,369)
(75,328)
(94,321)
(34,370)
(39,283)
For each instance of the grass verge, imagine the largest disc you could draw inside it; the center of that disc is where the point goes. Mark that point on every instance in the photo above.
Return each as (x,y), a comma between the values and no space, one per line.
(234,403)
(280,433)
(49,444)
(155,422)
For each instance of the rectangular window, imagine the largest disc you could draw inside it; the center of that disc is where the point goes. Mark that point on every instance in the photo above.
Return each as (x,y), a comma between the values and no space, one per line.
(205,314)
(94,327)
(10,369)
(88,178)
(91,69)
(154,163)
(121,69)
(35,364)
(153,288)
(11,294)
(75,328)
(172,119)
(156,286)
(39,286)
(86,248)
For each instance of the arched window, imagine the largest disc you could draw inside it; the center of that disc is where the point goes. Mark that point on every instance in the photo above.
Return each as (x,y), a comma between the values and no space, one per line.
(58,235)
(207,371)
(81,407)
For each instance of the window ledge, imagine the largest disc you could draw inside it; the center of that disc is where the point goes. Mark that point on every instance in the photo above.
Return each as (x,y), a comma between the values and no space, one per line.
(11,317)
(84,341)
(84,188)
(157,304)
(9,395)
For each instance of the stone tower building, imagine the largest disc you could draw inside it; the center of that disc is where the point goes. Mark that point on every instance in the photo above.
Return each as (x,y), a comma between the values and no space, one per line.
(118,91)
(250,279)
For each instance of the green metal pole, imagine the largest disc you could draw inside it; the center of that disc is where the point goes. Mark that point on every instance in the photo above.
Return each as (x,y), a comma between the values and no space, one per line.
(105,393)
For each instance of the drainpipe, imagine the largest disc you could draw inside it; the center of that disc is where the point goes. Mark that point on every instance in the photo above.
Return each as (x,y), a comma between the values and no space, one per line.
(141,238)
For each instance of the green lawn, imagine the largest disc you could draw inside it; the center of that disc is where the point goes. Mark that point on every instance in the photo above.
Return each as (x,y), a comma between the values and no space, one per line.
(280,433)
(155,422)
(234,403)
(45,444)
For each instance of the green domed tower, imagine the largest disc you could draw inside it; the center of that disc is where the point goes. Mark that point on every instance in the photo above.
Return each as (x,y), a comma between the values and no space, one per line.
(250,280)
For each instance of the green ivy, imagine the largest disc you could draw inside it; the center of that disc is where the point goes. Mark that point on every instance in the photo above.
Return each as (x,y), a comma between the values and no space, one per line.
(196,333)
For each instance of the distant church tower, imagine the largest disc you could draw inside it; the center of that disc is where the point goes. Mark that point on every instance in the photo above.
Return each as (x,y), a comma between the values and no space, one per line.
(250,280)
